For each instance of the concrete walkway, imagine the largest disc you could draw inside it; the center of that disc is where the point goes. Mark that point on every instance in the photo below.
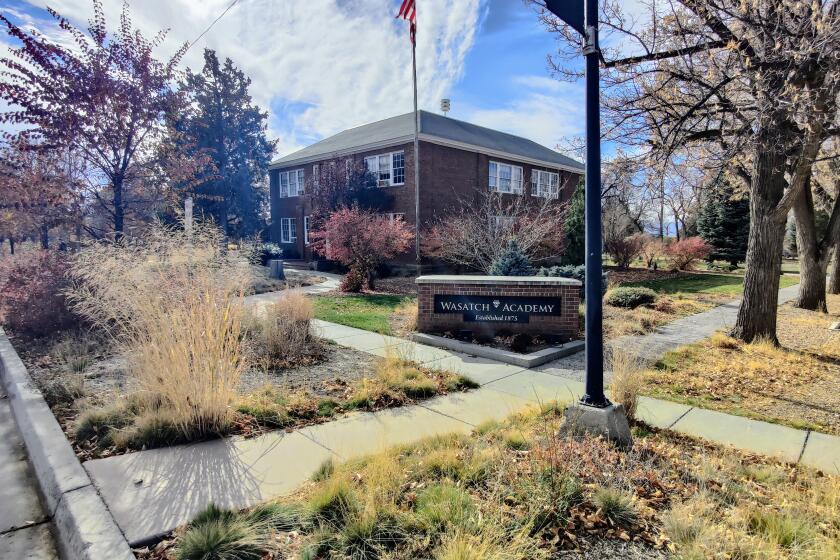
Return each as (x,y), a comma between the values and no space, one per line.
(152,492)
(25,530)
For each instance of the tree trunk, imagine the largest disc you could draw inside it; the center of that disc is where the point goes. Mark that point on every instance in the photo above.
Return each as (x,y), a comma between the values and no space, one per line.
(11,245)
(757,312)
(812,259)
(834,278)
(119,209)
(45,237)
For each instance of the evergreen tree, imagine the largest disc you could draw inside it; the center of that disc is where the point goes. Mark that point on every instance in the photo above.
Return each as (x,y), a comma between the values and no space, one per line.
(222,121)
(724,223)
(513,262)
(575,252)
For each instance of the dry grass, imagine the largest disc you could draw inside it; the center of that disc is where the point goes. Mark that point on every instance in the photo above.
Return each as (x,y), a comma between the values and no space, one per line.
(404,319)
(397,380)
(797,383)
(280,333)
(627,381)
(457,497)
(642,320)
(173,303)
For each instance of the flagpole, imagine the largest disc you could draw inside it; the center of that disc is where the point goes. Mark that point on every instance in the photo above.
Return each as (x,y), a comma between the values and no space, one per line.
(416,152)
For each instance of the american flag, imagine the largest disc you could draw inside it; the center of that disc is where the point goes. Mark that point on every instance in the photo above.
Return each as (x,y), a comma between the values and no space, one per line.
(408,11)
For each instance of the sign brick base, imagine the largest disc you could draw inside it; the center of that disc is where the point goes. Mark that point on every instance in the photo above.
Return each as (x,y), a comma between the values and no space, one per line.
(486,305)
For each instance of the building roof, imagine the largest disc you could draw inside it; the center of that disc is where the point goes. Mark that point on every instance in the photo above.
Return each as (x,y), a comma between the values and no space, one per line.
(433,128)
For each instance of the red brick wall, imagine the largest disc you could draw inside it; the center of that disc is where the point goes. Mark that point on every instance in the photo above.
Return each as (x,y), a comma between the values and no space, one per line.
(564,325)
(447,176)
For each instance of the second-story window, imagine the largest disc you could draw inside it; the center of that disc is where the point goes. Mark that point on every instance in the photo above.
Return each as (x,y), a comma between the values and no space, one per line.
(388,169)
(505,178)
(545,184)
(291,183)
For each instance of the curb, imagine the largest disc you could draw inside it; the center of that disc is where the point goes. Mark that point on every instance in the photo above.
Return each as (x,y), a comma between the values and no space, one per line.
(85,529)
(528,361)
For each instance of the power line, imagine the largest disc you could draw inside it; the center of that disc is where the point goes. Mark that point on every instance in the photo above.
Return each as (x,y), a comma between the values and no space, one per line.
(209,27)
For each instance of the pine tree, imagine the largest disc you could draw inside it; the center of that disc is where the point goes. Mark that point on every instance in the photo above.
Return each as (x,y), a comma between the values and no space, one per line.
(724,223)
(223,122)
(513,262)
(575,252)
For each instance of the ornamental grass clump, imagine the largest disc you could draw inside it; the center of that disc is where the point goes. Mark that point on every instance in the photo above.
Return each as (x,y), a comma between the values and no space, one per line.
(172,301)
(280,334)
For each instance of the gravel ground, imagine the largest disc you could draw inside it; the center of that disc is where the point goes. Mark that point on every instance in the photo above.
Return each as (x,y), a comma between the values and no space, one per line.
(328,377)
(614,548)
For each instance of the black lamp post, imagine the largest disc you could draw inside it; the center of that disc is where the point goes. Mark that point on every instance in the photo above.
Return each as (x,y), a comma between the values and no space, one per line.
(582,16)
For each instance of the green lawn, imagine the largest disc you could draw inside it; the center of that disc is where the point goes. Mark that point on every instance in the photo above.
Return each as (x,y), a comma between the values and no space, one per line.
(369,312)
(725,284)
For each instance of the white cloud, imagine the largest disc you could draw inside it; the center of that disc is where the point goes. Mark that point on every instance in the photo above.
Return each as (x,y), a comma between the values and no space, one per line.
(339,63)
(547,112)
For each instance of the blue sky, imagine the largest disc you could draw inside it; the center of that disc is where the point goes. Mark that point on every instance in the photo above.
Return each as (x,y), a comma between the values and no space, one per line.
(321,66)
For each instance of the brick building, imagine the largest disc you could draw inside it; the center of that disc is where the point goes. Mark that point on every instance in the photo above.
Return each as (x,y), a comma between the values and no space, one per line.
(458,160)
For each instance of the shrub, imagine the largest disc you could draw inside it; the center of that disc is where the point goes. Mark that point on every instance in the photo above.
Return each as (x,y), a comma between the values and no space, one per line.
(576,272)
(173,301)
(652,249)
(280,332)
(682,254)
(353,281)
(32,301)
(630,297)
(361,240)
(624,250)
(261,253)
(513,262)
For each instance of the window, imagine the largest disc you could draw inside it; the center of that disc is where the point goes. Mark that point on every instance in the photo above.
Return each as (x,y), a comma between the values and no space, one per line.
(291,183)
(505,178)
(389,169)
(306,230)
(316,174)
(502,222)
(545,184)
(288,230)
(395,216)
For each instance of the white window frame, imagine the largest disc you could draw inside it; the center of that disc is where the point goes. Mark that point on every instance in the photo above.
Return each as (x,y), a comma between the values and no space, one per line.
(496,177)
(372,165)
(394,215)
(288,230)
(545,184)
(306,230)
(299,177)
(316,174)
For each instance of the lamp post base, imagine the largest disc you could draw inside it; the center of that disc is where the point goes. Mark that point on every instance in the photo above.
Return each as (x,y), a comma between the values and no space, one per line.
(609,421)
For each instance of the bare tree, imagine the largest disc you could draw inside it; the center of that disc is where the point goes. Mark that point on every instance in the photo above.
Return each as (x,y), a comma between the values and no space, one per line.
(754,84)
(479,232)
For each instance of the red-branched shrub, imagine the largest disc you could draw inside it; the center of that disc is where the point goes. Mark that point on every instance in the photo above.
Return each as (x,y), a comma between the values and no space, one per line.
(32,301)
(624,250)
(361,241)
(684,253)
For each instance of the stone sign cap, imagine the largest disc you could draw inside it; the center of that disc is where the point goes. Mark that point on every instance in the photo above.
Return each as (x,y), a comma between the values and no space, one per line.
(499,280)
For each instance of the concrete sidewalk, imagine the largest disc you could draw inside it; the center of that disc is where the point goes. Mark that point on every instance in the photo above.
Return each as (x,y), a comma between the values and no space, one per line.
(25,528)
(152,492)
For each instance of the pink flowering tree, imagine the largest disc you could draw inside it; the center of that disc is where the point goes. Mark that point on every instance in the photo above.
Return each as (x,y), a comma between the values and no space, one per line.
(361,240)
